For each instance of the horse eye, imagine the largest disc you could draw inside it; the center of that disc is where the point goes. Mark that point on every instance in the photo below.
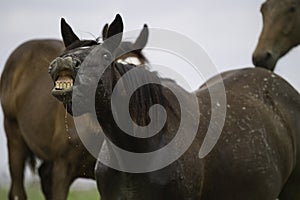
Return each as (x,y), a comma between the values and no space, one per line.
(106,56)
(292,9)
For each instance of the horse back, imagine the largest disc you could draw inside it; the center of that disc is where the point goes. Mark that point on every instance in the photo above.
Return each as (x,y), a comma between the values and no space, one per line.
(260,138)
(26,66)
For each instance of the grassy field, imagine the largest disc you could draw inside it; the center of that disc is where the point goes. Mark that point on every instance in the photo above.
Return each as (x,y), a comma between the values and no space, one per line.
(34,193)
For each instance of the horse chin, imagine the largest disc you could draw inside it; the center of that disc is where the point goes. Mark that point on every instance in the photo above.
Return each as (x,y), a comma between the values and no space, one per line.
(271,65)
(265,63)
(64,96)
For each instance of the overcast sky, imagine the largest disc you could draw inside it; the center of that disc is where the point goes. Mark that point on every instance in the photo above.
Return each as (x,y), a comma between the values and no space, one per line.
(227,30)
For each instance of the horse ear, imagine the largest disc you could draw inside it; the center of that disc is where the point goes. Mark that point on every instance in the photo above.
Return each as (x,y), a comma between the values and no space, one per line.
(115,30)
(104,32)
(67,33)
(142,39)
(115,27)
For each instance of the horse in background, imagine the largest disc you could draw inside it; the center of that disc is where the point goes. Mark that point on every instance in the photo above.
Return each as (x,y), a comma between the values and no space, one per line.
(253,158)
(280,32)
(37,125)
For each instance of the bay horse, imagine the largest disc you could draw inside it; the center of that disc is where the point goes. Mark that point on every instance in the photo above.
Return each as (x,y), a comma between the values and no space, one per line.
(253,158)
(37,125)
(280,32)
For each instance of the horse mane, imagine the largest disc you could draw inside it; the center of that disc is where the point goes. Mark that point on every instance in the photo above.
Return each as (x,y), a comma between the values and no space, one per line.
(144,97)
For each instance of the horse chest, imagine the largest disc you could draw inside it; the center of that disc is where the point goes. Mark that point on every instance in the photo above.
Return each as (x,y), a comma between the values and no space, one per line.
(159,185)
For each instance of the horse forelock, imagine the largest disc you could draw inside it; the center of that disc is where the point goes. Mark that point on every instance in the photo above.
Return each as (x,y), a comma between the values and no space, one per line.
(79,49)
(81,43)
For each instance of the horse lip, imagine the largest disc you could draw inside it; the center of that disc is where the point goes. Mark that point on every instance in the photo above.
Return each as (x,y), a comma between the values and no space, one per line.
(58,91)
(63,82)
(63,95)
(63,73)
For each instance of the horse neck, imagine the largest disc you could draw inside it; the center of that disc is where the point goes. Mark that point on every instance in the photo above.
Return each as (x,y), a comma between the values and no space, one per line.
(140,103)
(297,26)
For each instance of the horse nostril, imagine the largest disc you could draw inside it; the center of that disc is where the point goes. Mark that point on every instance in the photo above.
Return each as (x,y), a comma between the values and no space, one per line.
(50,69)
(262,58)
(265,59)
(59,62)
(52,66)
(268,55)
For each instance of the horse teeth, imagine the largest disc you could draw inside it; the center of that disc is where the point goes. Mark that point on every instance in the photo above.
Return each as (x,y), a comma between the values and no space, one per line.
(64,83)
(57,85)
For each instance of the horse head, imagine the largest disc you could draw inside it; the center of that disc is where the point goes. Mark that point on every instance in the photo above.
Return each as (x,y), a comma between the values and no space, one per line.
(280,33)
(63,69)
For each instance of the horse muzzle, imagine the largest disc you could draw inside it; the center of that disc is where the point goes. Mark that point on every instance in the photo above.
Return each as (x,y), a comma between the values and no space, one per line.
(63,75)
(265,59)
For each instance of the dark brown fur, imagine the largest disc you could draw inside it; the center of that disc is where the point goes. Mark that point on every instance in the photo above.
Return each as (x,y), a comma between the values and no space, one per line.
(35,123)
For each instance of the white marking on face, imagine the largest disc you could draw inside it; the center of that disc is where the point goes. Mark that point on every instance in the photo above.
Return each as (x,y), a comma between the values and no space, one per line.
(130,60)
(122,61)
(86,47)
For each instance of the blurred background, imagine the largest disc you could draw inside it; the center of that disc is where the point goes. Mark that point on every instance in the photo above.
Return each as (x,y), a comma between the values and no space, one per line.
(227,30)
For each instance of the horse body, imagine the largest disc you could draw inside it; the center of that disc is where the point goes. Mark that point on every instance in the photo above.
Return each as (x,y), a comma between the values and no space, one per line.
(35,123)
(260,136)
(280,33)
(253,158)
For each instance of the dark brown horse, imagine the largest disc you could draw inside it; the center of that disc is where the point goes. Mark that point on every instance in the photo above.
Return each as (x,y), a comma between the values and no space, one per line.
(37,125)
(253,158)
(280,33)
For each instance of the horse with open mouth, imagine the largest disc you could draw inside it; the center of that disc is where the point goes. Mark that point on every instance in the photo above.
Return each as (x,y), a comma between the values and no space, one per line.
(280,33)
(37,125)
(130,53)
(253,158)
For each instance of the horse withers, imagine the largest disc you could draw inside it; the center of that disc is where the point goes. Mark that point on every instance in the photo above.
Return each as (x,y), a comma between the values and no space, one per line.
(37,125)
(253,158)
(280,32)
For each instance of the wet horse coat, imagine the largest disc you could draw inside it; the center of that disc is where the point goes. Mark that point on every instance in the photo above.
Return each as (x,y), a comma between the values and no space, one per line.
(36,124)
(253,158)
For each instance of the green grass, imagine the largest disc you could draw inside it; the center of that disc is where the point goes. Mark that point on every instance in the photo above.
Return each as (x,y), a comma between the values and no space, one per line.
(34,193)
(85,194)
